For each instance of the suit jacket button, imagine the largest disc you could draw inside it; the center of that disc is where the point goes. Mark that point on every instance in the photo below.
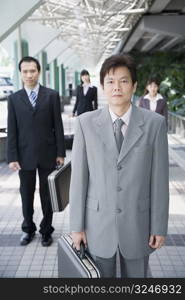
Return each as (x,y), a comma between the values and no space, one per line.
(119,167)
(118,210)
(119,189)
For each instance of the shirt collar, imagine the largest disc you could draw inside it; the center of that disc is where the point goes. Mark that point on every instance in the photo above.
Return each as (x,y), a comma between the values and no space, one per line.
(125,117)
(87,85)
(35,89)
(158,96)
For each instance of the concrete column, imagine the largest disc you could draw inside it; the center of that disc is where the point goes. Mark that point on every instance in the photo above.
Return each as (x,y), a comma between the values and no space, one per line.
(54,75)
(60,79)
(43,62)
(21,49)
(63,80)
(77,78)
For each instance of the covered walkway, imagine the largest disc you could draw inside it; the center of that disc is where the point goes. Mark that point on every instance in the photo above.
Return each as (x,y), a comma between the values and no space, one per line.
(67,36)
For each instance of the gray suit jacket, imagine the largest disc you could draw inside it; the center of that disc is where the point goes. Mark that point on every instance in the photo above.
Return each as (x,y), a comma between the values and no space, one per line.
(120,199)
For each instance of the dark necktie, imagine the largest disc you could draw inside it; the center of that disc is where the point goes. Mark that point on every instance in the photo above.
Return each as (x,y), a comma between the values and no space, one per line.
(33,97)
(118,134)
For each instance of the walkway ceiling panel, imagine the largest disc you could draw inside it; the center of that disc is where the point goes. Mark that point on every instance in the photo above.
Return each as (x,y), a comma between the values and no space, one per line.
(13,13)
(38,36)
(8,42)
(168,25)
(55,49)
(65,54)
(70,60)
(163,25)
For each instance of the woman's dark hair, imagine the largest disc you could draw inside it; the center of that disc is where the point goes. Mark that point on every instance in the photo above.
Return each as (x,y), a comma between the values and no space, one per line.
(116,61)
(29,59)
(151,80)
(83,72)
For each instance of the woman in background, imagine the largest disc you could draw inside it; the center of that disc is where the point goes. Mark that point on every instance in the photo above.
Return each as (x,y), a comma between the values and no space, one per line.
(86,95)
(153,100)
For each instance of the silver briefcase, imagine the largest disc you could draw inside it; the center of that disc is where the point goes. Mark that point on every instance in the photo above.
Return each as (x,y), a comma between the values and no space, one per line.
(73,263)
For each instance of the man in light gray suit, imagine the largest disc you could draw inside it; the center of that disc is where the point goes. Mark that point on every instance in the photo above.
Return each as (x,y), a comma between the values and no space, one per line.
(119,189)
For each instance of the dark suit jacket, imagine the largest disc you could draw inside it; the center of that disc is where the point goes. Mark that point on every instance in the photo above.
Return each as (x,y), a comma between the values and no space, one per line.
(161,107)
(86,102)
(35,135)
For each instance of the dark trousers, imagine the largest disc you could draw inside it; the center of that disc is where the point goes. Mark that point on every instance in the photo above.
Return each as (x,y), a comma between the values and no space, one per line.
(27,189)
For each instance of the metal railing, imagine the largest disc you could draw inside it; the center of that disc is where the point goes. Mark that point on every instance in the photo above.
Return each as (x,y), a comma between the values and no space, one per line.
(176,124)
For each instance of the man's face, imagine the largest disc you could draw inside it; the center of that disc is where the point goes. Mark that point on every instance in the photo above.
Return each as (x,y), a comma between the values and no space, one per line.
(29,74)
(118,87)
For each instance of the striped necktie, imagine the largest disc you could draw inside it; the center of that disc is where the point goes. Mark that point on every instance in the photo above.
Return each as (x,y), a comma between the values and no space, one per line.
(118,133)
(33,97)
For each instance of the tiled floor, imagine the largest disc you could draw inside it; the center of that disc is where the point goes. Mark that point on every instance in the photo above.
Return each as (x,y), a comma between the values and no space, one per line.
(37,261)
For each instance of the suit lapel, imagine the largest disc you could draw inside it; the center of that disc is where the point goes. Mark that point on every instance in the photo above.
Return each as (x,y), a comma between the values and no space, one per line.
(90,89)
(159,105)
(81,90)
(133,134)
(25,99)
(40,98)
(39,101)
(104,128)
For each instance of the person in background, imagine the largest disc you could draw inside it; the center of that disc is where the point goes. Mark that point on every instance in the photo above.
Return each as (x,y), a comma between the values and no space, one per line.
(119,190)
(86,95)
(35,143)
(152,99)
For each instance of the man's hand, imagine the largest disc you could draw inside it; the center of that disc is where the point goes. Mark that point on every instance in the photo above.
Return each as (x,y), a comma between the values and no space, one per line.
(77,238)
(156,241)
(60,160)
(14,166)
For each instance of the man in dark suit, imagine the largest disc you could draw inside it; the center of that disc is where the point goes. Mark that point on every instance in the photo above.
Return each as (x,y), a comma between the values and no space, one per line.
(35,143)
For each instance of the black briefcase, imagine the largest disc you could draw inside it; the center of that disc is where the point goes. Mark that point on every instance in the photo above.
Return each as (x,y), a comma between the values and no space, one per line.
(73,263)
(59,182)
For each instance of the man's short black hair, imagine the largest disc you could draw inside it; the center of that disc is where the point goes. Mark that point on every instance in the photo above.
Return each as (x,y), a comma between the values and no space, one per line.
(115,61)
(29,59)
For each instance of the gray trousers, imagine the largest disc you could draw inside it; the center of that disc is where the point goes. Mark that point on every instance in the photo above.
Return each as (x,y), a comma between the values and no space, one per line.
(129,268)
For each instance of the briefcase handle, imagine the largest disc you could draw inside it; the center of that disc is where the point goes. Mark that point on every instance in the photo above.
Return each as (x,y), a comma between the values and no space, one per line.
(59,166)
(81,252)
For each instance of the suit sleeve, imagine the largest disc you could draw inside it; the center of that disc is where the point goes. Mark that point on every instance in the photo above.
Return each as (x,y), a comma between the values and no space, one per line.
(160,183)
(79,180)
(12,145)
(58,127)
(77,101)
(95,99)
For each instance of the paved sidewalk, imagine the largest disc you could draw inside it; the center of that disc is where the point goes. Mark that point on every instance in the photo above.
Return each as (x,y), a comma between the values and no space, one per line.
(36,261)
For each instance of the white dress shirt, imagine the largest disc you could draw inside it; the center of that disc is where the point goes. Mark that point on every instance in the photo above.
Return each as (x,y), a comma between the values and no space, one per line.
(86,87)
